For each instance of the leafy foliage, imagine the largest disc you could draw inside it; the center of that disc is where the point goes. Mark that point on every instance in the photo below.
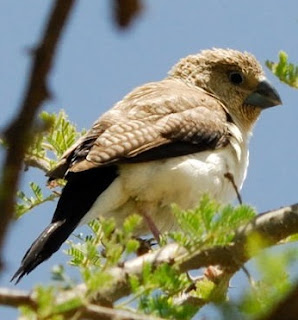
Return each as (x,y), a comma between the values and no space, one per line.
(158,290)
(58,134)
(54,136)
(164,307)
(286,72)
(272,285)
(26,203)
(62,133)
(47,308)
(209,224)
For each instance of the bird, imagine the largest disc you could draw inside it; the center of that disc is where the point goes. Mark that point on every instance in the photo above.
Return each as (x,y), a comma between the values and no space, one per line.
(165,142)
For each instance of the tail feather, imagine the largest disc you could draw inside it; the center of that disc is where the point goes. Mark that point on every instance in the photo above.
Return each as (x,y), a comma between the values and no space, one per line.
(78,196)
(49,241)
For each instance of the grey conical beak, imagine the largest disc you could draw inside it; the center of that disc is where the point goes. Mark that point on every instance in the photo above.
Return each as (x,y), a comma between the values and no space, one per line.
(264,96)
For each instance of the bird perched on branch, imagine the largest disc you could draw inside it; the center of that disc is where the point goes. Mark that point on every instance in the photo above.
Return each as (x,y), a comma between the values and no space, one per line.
(166,142)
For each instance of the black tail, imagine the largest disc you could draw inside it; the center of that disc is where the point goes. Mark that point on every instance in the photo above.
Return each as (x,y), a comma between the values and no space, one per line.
(78,196)
(49,241)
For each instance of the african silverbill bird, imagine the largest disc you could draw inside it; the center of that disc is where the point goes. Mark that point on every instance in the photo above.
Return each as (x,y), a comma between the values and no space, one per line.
(165,142)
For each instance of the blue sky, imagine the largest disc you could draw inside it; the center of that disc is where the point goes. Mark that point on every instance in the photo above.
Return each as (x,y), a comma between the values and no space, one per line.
(97,64)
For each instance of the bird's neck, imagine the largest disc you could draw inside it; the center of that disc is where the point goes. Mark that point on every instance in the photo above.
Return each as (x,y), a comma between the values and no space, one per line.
(247,117)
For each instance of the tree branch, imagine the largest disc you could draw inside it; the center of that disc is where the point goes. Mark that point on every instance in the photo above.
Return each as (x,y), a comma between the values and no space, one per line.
(18,132)
(273,226)
(35,162)
(95,312)
(17,298)
(125,11)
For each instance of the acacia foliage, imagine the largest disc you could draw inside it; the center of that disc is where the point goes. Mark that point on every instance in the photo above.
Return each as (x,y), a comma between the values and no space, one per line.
(159,290)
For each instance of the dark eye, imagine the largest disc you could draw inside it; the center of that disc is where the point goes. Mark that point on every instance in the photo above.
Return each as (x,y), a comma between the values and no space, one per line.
(236,77)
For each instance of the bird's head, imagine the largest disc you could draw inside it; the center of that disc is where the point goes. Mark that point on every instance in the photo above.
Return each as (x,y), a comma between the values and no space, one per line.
(235,78)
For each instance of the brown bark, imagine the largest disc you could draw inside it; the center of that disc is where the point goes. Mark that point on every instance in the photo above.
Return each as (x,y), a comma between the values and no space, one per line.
(17,135)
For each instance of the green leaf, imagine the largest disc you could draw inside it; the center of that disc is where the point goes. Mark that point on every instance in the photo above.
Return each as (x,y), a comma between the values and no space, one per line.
(55,135)
(76,251)
(62,134)
(286,72)
(292,238)
(27,203)
(131,222)
(49,143)
(163,306)
(209,224)
(96,278)
(68,305)
(132,246)
(45,297)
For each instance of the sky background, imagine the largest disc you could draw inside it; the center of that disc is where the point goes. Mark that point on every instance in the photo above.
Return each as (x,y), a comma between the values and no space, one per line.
(97,65)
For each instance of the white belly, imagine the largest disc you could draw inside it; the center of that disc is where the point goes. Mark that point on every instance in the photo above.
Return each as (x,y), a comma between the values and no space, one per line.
(155,186)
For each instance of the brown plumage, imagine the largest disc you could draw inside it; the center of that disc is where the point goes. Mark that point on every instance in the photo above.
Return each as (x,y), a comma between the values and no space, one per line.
(151,116)
(191,128)
(160,112)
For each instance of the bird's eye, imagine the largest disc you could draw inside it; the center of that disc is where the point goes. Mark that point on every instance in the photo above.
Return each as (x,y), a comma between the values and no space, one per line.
(236,77)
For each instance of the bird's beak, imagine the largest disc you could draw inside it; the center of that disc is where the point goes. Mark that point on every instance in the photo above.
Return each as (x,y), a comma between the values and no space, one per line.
(264,96)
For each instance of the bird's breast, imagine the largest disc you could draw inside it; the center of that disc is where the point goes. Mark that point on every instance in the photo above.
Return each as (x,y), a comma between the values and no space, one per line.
(184,179)
(154,186)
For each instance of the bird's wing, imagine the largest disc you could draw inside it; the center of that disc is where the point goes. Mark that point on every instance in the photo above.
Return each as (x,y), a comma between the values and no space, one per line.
(160,120)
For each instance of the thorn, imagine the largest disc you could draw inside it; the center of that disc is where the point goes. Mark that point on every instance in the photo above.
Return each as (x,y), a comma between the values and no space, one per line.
(249,277)
(230,177)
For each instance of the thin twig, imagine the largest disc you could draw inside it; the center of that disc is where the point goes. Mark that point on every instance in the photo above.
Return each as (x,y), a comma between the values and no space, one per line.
(230,177)
(17,298)
(39,163)
(125,11)
(17,135)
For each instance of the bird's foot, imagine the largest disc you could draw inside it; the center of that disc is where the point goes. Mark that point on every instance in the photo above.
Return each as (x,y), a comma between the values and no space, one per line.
(145,245)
